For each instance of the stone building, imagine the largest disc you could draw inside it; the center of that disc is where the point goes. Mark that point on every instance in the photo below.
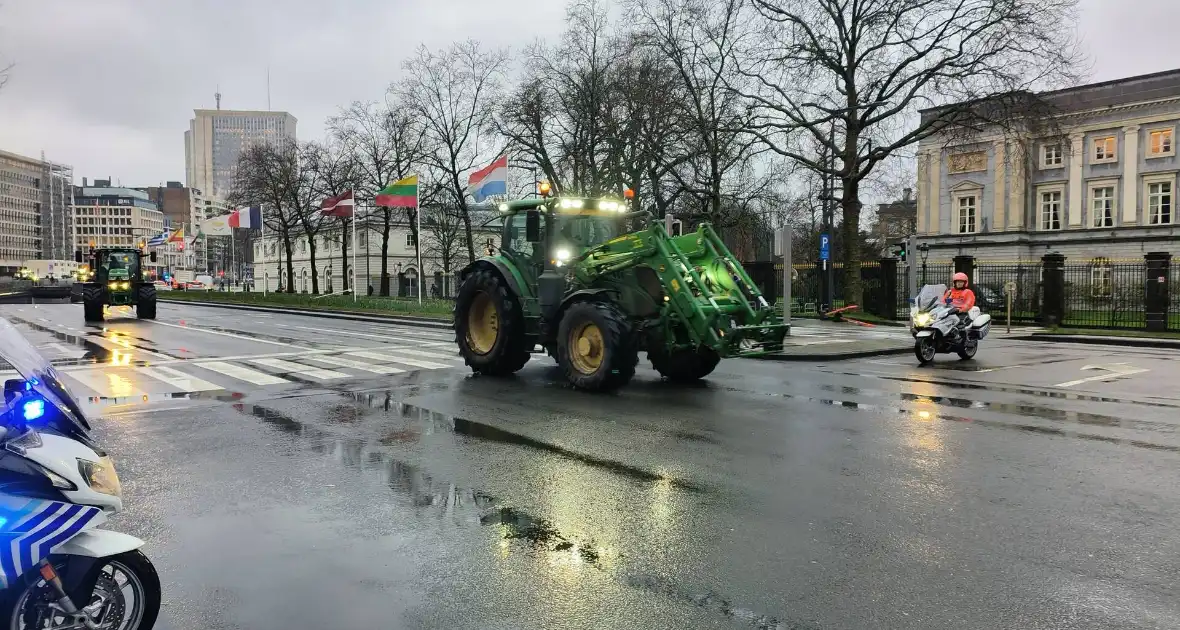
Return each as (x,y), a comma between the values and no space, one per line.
(1099,183)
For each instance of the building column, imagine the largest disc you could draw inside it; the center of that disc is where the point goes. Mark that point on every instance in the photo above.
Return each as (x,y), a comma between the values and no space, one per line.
(1000,166)
(1130,161)
(1017,187)
(923,190)
(934,166)
(1076,161)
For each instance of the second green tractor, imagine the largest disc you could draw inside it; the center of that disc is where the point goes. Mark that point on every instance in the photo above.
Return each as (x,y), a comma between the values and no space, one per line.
(594,284)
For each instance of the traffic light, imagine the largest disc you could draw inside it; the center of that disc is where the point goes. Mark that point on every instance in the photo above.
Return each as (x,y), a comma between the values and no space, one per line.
(899,251)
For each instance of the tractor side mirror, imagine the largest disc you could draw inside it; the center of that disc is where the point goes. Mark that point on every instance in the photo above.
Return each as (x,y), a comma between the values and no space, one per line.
(152,256)
(532,226)
(78,256)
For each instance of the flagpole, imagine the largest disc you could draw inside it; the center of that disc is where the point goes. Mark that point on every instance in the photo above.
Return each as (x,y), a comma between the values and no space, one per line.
(233,261)
(278,264)
(355,214)
(418,241)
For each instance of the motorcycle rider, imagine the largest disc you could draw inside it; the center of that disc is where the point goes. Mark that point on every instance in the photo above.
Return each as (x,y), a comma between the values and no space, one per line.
(959,297)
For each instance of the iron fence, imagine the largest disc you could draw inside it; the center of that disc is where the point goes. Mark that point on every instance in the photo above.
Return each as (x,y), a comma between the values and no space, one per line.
(1105,294)
(992,282)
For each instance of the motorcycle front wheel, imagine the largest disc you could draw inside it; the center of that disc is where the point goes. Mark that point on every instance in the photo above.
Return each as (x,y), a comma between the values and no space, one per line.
(925,350)
(126,596)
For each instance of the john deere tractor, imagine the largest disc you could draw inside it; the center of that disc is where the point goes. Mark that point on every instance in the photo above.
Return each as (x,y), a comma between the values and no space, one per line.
(117,279)
(569,276)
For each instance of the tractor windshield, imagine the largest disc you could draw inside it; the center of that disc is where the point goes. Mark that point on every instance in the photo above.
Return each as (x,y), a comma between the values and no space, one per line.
(587,230)
(121,265)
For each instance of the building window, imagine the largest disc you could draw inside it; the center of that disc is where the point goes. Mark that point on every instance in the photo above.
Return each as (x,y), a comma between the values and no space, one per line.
(1100,282)
(1160,143)
(1051,210)
(410,242)
(1104,149)
(1052,156)
(966,212)
(1102,206)
(1159,203)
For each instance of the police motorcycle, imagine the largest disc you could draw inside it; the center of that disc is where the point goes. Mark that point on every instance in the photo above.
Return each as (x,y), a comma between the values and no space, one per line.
(937,327)
(58,570)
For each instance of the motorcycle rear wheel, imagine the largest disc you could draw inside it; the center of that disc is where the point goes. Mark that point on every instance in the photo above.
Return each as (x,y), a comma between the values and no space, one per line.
(970,347)
(128,588)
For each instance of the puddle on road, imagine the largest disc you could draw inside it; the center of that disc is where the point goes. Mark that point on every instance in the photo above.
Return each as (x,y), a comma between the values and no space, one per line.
(422,490)
(97,406)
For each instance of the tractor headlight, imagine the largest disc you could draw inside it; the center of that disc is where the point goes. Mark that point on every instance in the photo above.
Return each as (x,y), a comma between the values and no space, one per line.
(609,206)
(113,285)
(125,286)
(561,256)
(101,476)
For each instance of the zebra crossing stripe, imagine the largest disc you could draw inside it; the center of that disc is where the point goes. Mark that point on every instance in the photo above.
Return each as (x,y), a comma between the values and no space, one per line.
(357,365)
(391,358)
(301,369)
(177,379)
(106,383)
(419,353)
(241,373)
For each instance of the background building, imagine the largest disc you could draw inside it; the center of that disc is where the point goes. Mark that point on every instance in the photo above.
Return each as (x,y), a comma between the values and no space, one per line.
(35,217)
(188,207)
(1099,183)
(112,216)
(216,137)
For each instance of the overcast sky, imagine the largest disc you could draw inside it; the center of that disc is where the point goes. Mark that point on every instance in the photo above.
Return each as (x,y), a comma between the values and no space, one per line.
(109,85)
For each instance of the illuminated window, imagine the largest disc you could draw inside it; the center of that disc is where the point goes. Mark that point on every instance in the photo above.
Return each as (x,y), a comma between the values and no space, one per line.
(1104,149)
(1160,143)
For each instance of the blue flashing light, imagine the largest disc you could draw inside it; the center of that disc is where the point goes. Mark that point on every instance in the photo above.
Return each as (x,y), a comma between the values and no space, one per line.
(34,409)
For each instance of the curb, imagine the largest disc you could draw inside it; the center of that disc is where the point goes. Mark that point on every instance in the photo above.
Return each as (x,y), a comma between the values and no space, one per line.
(1135,342)
(422,322)
(836,356)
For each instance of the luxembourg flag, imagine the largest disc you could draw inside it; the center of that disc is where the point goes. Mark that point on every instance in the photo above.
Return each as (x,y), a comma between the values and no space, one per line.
(490,180)
(246,217)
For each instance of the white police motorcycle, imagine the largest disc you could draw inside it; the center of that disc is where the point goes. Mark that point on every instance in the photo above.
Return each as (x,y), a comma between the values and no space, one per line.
(938,328)
(57,569)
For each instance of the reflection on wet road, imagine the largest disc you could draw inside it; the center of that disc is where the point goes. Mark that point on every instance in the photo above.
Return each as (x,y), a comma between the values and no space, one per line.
(859,494)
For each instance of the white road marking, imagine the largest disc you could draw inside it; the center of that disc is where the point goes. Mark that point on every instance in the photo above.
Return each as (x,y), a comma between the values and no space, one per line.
(419,353)
(178,379)
(107,383)
(241,373)
(301,369)
(223,334)
(1114,370)
(390,358)
(360,334)
(357,365)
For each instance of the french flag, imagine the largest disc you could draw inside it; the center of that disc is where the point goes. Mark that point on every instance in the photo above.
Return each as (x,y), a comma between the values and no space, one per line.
(246,217)
(490,180)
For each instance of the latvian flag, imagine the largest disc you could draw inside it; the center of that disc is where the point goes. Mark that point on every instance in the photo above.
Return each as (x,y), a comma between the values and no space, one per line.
(490,180)
(339,206)
(246,217)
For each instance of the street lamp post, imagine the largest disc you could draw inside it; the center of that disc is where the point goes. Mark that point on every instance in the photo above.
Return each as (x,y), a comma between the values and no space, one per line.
(924,251)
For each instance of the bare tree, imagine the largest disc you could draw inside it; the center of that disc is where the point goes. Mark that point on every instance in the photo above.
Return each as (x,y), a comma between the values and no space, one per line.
(450,92)
(445,241)
(850,76)
(268,176)
(330,169)
(701,41)
(387,142)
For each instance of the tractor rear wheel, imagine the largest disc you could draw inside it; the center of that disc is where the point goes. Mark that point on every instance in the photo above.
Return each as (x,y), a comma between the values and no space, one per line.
(684,366)
(145,305)
(489,325)
(595,346)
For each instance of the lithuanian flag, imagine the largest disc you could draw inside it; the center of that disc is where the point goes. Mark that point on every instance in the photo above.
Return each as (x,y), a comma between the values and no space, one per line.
(400,194)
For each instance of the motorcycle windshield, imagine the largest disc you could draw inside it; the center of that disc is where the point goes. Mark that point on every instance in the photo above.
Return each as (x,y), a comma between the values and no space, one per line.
(44,380)
(930,296)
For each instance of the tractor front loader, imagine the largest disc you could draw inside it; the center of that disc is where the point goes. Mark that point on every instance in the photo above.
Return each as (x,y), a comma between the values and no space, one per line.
(572,278)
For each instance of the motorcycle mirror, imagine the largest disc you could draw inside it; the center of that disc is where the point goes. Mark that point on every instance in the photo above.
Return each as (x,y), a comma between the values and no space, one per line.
(12,387)
(532,226)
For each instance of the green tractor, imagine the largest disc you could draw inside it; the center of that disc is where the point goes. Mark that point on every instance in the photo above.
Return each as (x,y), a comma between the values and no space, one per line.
(572,277)
(117,279)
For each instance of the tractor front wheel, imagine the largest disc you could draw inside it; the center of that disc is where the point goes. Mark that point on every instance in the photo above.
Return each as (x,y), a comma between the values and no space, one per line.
(92,304)
(145,305)
(489,325)
(684,366)
(595,346)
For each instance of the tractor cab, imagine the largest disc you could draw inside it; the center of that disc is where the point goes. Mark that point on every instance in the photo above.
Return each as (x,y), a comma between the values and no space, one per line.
(546,233)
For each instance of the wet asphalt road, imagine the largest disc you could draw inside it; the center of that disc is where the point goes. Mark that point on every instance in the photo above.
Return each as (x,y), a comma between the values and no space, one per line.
(850,494)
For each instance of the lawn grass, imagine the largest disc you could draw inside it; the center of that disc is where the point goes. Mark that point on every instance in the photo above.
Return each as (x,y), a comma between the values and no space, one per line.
(436,309)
